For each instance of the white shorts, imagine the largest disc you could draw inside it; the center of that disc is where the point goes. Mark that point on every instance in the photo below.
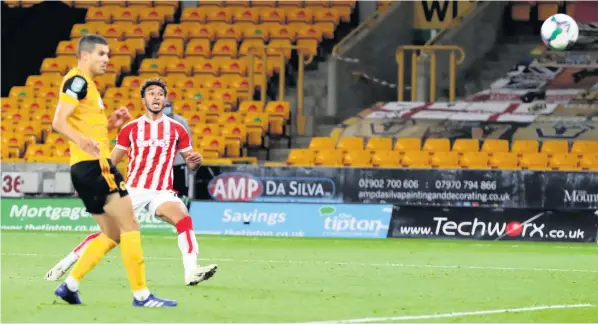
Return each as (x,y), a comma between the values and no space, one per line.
(150,200)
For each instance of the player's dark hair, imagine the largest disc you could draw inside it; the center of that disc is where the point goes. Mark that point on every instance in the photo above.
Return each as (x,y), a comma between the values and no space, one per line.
(88,43)
(153,82)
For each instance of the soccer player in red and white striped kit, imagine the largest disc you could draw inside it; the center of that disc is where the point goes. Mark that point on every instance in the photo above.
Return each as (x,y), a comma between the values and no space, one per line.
(151,142)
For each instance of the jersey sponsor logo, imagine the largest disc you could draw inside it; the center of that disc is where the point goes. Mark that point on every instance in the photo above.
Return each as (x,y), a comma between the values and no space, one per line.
(153,143)
(77,84)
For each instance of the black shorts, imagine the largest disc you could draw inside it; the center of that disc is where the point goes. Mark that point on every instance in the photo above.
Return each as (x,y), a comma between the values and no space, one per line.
(179,180)
(94,181)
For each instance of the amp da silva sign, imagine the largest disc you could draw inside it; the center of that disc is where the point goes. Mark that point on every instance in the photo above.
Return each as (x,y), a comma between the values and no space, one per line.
(247,187)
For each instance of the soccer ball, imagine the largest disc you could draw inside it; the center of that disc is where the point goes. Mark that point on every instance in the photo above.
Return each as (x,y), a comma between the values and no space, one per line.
(559,32)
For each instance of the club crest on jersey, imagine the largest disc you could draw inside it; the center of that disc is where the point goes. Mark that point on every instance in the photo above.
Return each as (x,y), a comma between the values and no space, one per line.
(153,143)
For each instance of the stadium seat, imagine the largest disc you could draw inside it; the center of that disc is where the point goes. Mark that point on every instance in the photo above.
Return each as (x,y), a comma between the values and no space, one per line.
(66,48)
(212,108)
(278,47)
(545,10)
(54,139)
(251,106)
(331,158)
(534,161)
(290,3)
(193,15)
(351,144)
(265,3)
(446,160)
(196,117)
(229,32)
(581,147)
(43,81)
(117,93)
(304,15)
(524,146)
(308,32)
(475,160)
(234,131)
(160,14)
(238,3)
(551,147)
(463,145)
(119,64)
(408,144)
(379,144)
(256,32)
(171,47)
(212,146)
(284,32)
(564,162)
(357,158)
(416,159)
(437,145)
(589,161)
(493,146)
(101,14)
(230,118)
(504,160)
(217,14)
(329,15)
(327,29)
(178,66)
(385,159)
(177,31)
(321,144)
(199,47)
(520,11)
(207,130)
(185,105)
(249,46)
(279,108)
(251,15)
(143,31)
(276,15)
(225,47)
(301,157)
(130,15)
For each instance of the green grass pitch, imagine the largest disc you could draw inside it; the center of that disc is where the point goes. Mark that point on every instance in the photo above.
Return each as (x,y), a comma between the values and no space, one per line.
(303,280)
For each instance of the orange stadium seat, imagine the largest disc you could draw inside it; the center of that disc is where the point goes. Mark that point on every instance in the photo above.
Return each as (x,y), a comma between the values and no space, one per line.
(234,66)
(185,82)
(357,158)
(130,15)
(177,31)
(228,96)
(229,32)
(251,15)
(201,31)
(199,47)
(193,15)
(255,46)
(48,94)
(350,144)
(144,31)
(416,159)
(276,15)
(330,158)
(238,3)
(504,160)
(117,93)
(589,161)
(284,32)
(408,144)
(524,146)
(230,118)
(462,145)
(475,160)
(493,146)
(212,108)
(301,157)
(534,161)
(437,145)
(54,139)
(66,48)
(317,144)
(280,47)
(141,3)
(132,81)
(101,14)
(119,64)
(551,147)
(19,92)
(160,14)
(308,32)
(218,14)
(446,160)
(581,147)
(86,3)
(386,159)
(304,15)
(379,144)
(329,15)
(564,162)
(171,47)
(327,29)
(225,47)
(257,126)
(256,32)
(43,81)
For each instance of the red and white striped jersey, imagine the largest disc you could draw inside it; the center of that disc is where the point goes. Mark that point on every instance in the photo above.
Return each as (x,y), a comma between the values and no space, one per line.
(152,146)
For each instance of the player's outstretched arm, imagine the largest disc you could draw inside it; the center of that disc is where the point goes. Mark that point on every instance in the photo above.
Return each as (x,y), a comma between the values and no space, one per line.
(61,125)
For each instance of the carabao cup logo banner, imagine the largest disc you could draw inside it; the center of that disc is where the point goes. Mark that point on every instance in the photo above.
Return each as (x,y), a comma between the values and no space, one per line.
(298,220)
(62,214)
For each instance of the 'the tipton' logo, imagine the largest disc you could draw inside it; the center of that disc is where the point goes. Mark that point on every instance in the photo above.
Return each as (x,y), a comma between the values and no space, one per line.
(581,196)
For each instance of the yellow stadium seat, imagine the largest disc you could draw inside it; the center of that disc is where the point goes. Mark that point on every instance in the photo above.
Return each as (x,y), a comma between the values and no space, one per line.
(185,82)
(304,15)
(236,83)
(350,144)
(379,144)
(321,144)
(17,116)
(524,146)
(13,140)
(212,146)
(534,161)
(159,14)
(50,93)
(301,157)
(132,81)
(283,32)
(171,47)
(176,31)
(256,32)
(86,3)
(520,11)
(290,3)
(408,144)
(317,3)
(230,118)
(9,103)
(257,126)
(228,96)
(54,139)
(238,3)
(54,65)
(276,15)
(357,158)
(43,81)
(475,160)
(202,130)
(416,159)
(329,15)
(446,160)
(463,145)
(175,94)
(551,147)
(327,29)
(130,15)
(118,48)
(179,66)
(386,159)
(581,147)
(328,158)
(234,131)
(280,47)
(195,94)
(199,47)
(545,10)
(493,146)
(343,3)
(564,162)
(193,15)
(80,30)
(225,47)
(213,108)
(36,152)
(265,3)
(589,161)
(251,106)
(131,104)
(104,81)
(119,64)
(279,108)
(19,92)
(217,14)
(142,31)
(30,130)
(343,12)
(251,15)
(437,145)
(38,104)
(504,160)
(186,105)
(117,93)
(229,32)
(307,32)
(66,48)
(309,47)
(196,117)
(99,14)
(201,31)
(255,46)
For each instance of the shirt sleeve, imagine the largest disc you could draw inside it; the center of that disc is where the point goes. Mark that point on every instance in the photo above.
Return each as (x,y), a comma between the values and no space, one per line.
(184,143)
(123,141)
(74,90)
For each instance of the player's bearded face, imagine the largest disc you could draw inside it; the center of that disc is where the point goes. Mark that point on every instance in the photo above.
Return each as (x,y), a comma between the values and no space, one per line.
(154,99)
(99,59)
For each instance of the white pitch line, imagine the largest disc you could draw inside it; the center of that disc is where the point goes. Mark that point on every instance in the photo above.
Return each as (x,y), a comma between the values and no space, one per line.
(361,264)
(456,314)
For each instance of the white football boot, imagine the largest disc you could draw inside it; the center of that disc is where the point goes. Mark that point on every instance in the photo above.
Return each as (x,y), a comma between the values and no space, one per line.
(59,270)
(200,274)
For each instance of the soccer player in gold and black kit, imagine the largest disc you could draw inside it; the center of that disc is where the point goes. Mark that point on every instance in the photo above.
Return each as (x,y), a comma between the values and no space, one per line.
(80,117)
